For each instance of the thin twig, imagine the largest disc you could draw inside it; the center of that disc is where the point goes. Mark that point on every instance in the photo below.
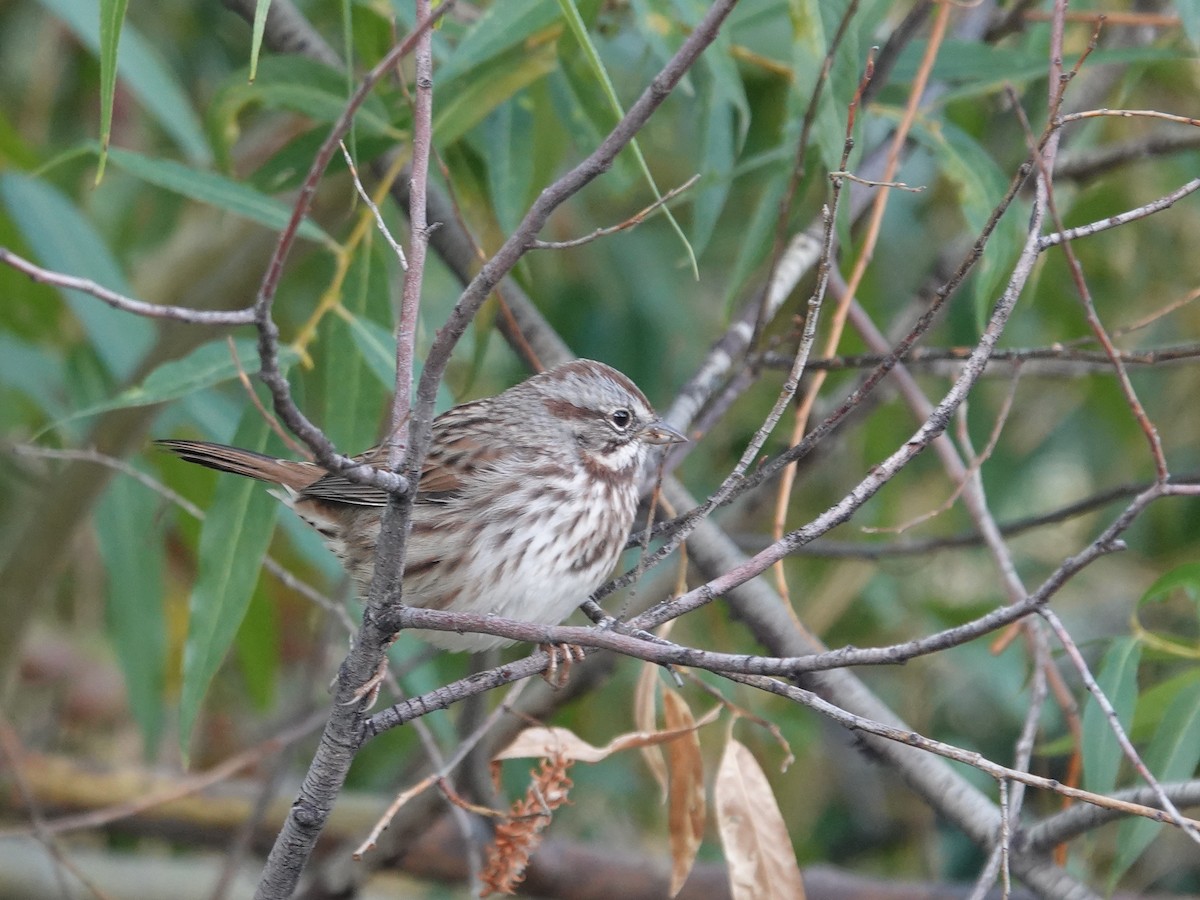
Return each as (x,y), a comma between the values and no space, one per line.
(867,182)
(1067,118)
(1069,234)
(971,758)
(1073,362)
(414,274)
(633,221)
(272,422)
(445,768)
(126,304)
(1093,318)
(102,459)
(324,453)
(1114,723)
(373,206)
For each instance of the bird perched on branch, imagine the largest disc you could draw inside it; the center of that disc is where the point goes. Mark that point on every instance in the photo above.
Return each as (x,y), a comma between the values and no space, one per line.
(525,501)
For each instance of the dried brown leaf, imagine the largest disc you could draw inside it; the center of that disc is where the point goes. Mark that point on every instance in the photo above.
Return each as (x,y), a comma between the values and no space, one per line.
(644,721)
(549,742)
(758,850)
(687,810)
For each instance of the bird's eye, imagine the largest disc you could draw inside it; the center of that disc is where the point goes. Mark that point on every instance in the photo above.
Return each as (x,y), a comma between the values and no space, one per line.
(621,418)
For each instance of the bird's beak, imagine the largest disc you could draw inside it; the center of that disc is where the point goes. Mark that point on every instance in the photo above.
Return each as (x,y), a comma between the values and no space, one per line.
(659,432)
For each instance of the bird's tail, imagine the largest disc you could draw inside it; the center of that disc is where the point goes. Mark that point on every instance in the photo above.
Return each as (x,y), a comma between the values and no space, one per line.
(291,474)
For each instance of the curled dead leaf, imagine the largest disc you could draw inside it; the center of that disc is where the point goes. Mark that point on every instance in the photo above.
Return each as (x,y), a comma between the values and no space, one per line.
(545,742)
(687,809)
(758,850)
(644,721)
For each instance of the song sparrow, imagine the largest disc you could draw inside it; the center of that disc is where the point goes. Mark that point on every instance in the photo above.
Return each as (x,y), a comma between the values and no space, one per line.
(523,506)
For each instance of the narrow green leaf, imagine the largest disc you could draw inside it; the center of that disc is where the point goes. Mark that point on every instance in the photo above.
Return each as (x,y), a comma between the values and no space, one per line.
(1184,578)
(257,647)
(216,190)
(256,34)
(755,236)
(579,31)
(810,44)
(204,367)
(287,168)
(34,371)
(296,84)
(506,133)
(579,108)
(353,400)
(468,103)
(143,72)
(214,413)
(62,239)
(980,185)
(717,158)
(1172,755)
(131,543)
(724,122)
(973,68)
(502,28)
(112,17)
(233,541)
(1117,678)
(378,348)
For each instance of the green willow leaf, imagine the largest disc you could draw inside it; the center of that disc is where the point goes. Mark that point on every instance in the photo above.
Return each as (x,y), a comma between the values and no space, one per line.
(1172,755)
(1117,678)
(980,185)
(297,85)
(256,646)
(256,35)
(133,547)
(143,72)
(207,365)
(216,190)
(467,104)
(1184,578)
(64,240)
(579,30)
(233,542)
(112,17)
(377,346)
(503,28)
(354,400)
(973,68)
(505,134)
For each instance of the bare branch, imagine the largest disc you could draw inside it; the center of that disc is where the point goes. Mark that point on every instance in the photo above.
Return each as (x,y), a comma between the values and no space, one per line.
(1070,234)
(324,453)
(633,221)
(123,303)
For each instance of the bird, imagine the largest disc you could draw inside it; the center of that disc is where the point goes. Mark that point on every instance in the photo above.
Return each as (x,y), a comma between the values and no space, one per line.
(524,502)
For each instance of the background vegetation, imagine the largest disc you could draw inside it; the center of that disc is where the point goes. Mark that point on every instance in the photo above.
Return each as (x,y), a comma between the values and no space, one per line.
(144,657)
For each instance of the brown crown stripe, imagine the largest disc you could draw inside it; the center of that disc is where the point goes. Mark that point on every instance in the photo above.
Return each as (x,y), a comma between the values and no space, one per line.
(564,409)
(587,368)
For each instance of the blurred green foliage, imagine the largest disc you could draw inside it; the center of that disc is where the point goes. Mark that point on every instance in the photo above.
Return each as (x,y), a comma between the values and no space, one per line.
(203,162)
